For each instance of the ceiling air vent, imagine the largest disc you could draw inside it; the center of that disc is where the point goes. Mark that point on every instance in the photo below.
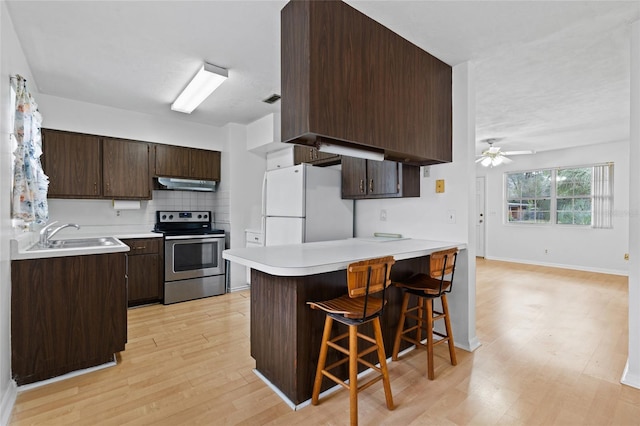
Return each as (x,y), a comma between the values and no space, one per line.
(272,99)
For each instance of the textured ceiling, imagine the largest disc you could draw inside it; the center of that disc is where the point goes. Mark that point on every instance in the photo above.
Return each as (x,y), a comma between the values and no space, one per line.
(549,74)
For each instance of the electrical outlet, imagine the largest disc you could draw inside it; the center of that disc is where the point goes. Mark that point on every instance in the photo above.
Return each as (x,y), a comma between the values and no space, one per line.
(383,215)
(546,251)
(451,216)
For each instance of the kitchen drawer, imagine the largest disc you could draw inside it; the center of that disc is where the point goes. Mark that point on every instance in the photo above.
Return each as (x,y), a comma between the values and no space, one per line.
(143,245)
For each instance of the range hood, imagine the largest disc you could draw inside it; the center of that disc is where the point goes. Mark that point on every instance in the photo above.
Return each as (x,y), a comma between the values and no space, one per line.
(348,81)
(188,184)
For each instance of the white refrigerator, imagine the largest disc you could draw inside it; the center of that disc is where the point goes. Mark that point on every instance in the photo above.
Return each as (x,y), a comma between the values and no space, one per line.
(303,204)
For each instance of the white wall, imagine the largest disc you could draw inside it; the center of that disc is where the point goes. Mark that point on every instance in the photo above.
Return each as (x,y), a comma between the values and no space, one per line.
(246,175)
(598,250)
(66,114)
(12,61)
(631,373)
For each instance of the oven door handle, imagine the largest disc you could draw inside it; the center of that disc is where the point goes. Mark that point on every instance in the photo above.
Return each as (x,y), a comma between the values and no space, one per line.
(207,238)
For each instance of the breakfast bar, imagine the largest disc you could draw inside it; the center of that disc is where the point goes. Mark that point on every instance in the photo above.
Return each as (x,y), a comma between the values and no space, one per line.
(285,332)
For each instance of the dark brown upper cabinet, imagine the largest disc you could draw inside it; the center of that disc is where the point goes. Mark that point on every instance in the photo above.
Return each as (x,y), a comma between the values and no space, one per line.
(205,164)
(188,163)
(378,179)
(171,161)
(126,169)
(73,163)
(348,80)
(311,155)
(90,166)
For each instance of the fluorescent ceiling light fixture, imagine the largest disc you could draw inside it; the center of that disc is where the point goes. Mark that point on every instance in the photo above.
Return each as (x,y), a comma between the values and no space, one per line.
(350,152)
(203,84)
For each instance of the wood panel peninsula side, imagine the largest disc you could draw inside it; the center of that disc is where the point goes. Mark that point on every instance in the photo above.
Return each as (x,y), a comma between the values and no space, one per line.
(285,332)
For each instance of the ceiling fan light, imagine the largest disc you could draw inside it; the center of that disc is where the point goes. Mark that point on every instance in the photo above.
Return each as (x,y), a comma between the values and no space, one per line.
(497,161)
(486,161)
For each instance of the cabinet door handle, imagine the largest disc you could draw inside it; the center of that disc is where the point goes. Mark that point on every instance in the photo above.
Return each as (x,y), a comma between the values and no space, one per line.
(371,185)
(140,248)
(362,185)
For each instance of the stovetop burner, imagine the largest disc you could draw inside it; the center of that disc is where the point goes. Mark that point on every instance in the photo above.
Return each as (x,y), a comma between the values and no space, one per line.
(185,223)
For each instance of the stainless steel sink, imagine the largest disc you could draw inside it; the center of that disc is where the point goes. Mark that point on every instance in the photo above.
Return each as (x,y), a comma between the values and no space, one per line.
(83,243)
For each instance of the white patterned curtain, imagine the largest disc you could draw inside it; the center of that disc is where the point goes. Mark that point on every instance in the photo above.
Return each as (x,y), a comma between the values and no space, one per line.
(602,205)
(30,184)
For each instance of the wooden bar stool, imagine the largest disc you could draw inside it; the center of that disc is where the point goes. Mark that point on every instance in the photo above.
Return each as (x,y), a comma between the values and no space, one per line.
(427,288)
(360,306)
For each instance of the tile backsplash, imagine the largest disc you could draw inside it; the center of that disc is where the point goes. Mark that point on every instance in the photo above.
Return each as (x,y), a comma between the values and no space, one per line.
(102,212)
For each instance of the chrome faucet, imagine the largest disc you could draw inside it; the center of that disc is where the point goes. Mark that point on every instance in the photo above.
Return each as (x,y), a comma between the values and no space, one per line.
(46,233)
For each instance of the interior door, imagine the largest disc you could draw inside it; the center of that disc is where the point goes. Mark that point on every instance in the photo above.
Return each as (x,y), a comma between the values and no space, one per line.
(480,217)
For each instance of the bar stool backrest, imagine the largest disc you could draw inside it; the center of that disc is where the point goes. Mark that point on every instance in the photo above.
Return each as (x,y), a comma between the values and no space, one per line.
(443,264)
(369,276)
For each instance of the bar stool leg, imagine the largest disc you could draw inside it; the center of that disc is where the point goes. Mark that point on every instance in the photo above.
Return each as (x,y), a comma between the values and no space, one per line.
(421,313)
(403,311)
(317,384)
(377,330)
(447,324)
(353,374)
(429,311)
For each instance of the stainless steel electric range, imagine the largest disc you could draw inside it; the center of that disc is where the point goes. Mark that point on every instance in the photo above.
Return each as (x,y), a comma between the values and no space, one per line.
(193,264)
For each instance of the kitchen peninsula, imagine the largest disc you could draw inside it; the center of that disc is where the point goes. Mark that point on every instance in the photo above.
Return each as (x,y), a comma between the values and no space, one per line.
(285,332)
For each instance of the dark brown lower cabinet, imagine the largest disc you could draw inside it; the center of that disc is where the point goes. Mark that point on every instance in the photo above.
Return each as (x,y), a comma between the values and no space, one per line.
(145,270)
(67,313)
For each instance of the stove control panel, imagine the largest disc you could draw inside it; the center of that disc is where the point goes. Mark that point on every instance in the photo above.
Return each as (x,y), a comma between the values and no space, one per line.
(183,216)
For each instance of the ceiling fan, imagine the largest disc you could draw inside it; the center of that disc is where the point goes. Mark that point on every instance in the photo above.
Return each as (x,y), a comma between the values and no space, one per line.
(494,157)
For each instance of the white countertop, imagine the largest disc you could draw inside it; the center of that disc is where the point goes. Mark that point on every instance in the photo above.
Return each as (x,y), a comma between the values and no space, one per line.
(327,256)
(22,242)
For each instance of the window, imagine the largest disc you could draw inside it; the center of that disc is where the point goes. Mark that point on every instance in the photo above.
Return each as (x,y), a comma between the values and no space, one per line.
(529,196)
(571,196)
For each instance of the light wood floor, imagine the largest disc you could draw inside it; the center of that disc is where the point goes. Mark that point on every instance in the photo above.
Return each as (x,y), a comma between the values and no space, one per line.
(554,345)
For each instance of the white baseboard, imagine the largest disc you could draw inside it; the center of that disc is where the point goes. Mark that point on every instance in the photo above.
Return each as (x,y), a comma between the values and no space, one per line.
(628,379)
(469,346)
(240,288)
(8,401)
(560,265)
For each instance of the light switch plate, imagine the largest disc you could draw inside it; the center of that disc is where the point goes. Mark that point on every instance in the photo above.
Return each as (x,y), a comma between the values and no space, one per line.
(439,186)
